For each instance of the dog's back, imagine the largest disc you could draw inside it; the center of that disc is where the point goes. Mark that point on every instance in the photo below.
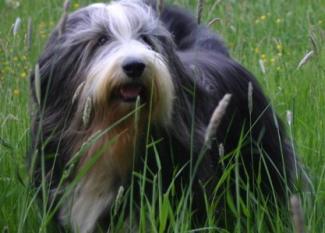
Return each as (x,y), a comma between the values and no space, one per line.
(208,63)
(188,34)
(250,124)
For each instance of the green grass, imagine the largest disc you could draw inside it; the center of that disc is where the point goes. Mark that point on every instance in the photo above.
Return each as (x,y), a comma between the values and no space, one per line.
(279,32)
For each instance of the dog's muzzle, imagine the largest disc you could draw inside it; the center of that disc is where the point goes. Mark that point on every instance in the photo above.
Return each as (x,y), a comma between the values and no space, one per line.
(133,67)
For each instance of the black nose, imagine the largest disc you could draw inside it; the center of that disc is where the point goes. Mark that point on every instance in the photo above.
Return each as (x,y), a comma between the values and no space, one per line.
(133,67)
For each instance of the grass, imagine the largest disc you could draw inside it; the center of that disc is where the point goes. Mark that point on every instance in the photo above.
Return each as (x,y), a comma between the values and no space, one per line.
(279,33)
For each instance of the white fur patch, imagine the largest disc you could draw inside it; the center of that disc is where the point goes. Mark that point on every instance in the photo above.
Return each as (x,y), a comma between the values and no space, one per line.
(88,204)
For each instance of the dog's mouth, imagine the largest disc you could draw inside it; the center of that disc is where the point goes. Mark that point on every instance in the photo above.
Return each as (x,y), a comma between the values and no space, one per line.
(130,91)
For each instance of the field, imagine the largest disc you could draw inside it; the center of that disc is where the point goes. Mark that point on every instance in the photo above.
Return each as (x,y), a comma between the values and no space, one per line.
(269,37)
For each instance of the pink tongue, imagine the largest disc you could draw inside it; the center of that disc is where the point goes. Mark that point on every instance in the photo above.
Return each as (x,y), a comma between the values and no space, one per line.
(130,91)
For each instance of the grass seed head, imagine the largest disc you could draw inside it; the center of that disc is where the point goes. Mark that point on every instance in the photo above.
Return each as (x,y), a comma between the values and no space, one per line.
(289,117)
(297,214)
(262,67)
(87,112)
(37,84)
(118,199)
(77,92)
(305,59)
(16,26)
(213,21)
(216,119)
(250,98)
(221,150)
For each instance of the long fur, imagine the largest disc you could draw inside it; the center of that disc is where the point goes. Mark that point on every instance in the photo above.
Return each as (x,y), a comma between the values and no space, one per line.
(188,71)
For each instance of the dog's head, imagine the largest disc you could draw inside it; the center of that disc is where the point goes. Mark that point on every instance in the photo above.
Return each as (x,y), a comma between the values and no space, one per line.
(110,54)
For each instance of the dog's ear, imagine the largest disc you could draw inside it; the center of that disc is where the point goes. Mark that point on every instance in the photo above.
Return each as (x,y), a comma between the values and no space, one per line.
(58,66)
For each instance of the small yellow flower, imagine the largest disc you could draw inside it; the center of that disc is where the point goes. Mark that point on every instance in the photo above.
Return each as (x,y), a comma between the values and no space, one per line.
(23,74)
(257,50)
(264,58)
(16,92)
(272,60)
(279,47)
(75,5)
(279,54)
(278,20)
(42,25)
(263,17)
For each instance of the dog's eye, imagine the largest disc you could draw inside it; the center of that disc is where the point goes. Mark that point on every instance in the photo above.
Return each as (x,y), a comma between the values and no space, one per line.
(102,40)
(147,40)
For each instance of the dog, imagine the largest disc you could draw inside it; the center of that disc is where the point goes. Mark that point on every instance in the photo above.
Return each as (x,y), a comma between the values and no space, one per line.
(115,78)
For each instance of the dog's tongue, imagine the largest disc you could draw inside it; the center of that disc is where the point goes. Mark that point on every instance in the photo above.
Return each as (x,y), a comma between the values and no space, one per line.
(130,92)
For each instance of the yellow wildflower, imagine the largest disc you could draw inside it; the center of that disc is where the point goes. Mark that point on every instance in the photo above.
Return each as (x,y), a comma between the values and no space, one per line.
(16,92)
(75,5)
(23,74)
(263,17)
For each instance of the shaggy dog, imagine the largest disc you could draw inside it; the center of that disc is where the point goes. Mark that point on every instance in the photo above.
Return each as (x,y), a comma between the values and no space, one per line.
(121,87)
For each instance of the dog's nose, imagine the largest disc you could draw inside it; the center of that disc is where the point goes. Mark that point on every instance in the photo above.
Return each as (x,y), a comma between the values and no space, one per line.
(133,67)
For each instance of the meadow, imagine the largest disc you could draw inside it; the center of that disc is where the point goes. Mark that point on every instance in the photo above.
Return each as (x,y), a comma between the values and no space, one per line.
(269,37)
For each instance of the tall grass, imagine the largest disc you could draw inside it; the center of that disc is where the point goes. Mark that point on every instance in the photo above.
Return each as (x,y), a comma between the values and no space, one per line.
(279,33)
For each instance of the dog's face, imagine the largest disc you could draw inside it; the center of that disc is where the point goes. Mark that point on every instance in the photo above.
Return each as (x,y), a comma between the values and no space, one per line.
(116,56)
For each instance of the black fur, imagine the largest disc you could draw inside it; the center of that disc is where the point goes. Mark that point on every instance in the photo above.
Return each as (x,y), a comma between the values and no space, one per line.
(203,72)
